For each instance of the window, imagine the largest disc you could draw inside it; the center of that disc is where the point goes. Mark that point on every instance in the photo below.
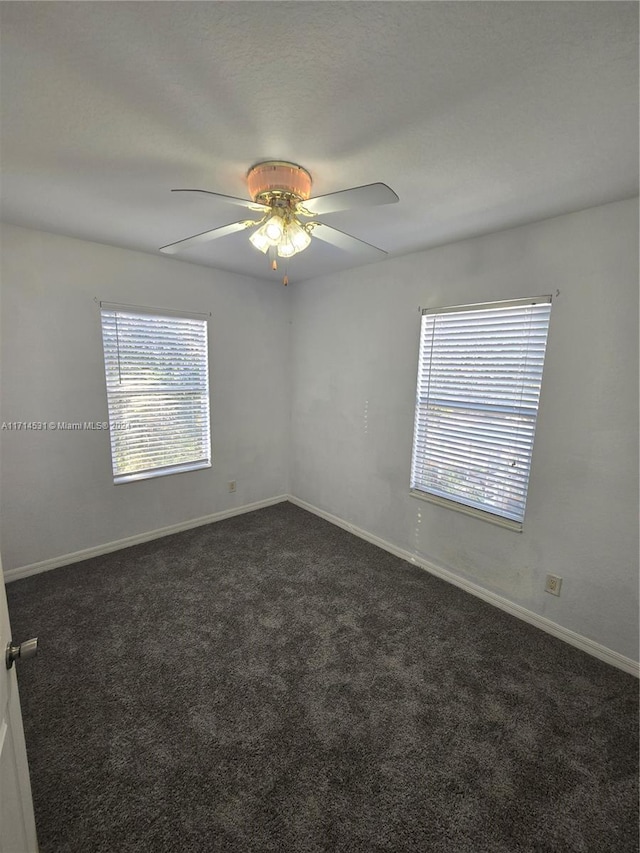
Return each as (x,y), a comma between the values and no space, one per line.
(479,377)
(156,369)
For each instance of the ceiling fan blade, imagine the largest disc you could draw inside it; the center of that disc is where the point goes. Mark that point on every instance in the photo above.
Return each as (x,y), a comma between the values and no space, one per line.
(369,195)
(346,241)
(206,236)
(241,202)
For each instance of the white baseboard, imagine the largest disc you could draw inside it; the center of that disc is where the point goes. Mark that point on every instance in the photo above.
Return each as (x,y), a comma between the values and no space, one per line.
(584,643)
(571,637)
(98,550)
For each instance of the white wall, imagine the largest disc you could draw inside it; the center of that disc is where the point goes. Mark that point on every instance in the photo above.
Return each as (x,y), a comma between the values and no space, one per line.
(58,495)
(355,347)
(323,408)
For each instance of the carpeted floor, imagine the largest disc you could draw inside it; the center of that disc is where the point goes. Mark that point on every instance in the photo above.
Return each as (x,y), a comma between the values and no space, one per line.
(273,684)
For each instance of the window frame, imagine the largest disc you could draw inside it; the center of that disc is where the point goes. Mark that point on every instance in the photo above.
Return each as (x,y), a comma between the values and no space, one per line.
(204,461)
(451,502)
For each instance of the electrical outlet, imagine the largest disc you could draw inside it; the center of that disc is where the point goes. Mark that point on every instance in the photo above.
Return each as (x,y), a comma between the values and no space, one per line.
(232,485)
(553,584)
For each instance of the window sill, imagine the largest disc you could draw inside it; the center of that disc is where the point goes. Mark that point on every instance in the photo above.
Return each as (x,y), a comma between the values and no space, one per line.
(499,521)
(160,472)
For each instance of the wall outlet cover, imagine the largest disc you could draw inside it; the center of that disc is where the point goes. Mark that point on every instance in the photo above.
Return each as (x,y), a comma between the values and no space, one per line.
(553,584)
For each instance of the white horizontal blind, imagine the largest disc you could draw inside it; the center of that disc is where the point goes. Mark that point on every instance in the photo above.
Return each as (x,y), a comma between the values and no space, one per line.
(156,369)
(479,378)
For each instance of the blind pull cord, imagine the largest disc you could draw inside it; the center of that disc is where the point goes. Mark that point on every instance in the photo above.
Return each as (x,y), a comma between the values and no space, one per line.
(118,349)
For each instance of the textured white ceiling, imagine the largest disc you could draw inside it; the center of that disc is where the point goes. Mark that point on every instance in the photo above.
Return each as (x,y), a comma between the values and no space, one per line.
(479,115)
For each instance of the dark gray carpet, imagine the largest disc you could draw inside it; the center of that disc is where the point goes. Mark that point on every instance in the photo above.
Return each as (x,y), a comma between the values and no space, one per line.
(273,683)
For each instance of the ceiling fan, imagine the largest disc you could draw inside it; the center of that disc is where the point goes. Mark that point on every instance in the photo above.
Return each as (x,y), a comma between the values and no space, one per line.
(280,196)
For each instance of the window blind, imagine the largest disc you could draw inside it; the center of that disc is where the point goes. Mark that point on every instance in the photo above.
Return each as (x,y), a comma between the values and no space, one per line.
(479,378)
(156,368)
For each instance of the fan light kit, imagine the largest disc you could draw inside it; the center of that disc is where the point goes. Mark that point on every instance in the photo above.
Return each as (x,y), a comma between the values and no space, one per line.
(280,191)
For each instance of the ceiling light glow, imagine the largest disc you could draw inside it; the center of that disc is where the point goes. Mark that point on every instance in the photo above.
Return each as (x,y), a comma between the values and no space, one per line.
(283,232)
(274,228)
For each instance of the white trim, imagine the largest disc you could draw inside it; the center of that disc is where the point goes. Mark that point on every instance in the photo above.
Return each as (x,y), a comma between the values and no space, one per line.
(448,503)
(482,306)
(571,637)
(160,312)
(98,550)
(151,473)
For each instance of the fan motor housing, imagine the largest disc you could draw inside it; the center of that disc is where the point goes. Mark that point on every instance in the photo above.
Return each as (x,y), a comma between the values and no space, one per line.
(278,179)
